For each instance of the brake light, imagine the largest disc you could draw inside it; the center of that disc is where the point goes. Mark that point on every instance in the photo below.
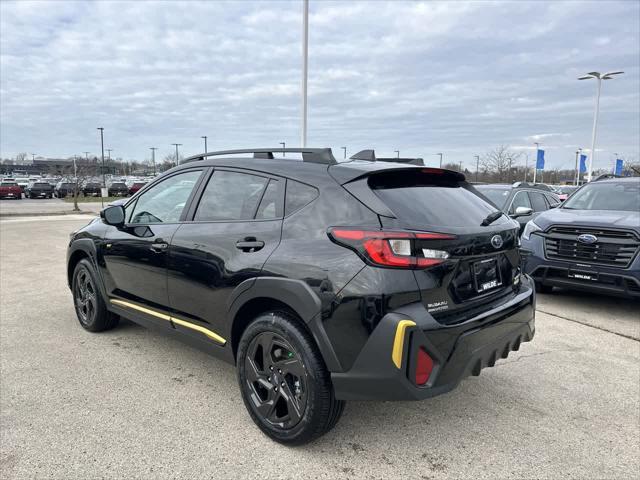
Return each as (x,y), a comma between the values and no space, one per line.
(424,367)
(392,249)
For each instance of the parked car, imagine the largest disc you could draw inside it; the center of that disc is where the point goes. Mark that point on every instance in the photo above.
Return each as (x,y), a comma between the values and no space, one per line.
(63,189)
(92,189)
(321,281)
(10,190)
(135,186)
(23,183)
(118,189)
(589,243)
(521,201)
(565,191)
(39,190)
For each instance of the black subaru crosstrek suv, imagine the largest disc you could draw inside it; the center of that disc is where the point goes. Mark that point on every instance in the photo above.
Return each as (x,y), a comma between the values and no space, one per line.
(321,281)
(589,243)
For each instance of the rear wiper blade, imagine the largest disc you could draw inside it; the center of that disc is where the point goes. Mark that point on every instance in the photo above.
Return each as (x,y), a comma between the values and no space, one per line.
(492,217)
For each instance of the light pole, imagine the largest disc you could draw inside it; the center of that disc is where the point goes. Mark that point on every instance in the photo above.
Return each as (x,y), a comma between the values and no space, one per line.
(477,165)
(86,156)
(509,172)
(177,155)
(345,152)
(461,167)
(104,178)
(599,77)
(305,66)
(440,159)
(397,152)
(33,157)
(205,143)
(284,144)
(153,159)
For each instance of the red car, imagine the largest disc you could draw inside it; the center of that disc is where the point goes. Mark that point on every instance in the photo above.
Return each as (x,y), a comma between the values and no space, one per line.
(564,192)
(10,190)
(133,189)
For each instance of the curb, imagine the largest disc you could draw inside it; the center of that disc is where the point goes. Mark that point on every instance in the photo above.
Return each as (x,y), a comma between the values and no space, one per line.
(44,214)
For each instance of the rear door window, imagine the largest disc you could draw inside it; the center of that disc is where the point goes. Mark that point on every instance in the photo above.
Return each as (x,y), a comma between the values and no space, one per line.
(271,204)
(430,200)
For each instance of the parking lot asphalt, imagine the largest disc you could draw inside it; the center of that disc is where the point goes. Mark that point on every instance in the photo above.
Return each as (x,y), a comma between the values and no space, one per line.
(130,403)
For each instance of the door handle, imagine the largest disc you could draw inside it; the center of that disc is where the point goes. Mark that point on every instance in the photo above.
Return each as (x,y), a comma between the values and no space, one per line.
(159,246)
(249,244)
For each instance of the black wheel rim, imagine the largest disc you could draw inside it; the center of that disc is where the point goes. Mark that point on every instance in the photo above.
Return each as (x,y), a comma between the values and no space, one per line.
(276,380)
(85,297)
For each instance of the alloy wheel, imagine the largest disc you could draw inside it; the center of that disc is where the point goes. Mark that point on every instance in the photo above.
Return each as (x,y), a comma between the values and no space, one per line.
(85,297)
(277,380)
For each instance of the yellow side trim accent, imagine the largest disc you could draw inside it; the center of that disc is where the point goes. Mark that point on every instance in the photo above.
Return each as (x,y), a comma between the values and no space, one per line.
(140,308)
(398,341)
(212,335)
(178,321)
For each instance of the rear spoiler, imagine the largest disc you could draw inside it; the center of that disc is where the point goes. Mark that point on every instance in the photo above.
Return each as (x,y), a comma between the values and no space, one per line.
(360,189)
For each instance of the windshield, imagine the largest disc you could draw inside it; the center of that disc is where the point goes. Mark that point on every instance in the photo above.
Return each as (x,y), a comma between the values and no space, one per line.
(497,195)
(567,190)
(621,196)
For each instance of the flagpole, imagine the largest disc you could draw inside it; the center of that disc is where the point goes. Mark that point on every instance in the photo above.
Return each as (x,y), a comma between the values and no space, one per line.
(535,170)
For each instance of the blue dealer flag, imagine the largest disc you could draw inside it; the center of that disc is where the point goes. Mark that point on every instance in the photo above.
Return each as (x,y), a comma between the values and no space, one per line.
(618,167)
(583,164)
(540,160)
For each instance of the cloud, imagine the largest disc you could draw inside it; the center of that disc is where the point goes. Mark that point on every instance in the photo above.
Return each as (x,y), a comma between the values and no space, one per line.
(457,77)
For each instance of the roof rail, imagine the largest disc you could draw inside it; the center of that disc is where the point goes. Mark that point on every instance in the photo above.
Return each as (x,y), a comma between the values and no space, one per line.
(539,186)
(605,176)
(312,155)
(370,155)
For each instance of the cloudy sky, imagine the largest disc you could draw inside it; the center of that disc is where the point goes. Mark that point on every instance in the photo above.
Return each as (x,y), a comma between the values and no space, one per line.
(452,77)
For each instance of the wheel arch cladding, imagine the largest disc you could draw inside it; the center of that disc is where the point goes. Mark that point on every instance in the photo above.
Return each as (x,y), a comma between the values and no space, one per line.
(74,259)
(273,293)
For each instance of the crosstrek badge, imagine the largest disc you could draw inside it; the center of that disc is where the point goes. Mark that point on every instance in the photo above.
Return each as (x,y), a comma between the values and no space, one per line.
(438,306)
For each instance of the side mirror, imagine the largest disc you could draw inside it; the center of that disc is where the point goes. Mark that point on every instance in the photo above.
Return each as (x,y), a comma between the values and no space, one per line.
(522,212)
(113,215)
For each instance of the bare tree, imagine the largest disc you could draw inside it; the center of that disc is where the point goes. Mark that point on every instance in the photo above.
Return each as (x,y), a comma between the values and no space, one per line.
(499,162)
(84,171)
(21,158)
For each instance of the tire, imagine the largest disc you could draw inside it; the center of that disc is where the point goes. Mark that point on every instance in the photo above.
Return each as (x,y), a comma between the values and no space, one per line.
(541,288)
(291,401)
(90,307)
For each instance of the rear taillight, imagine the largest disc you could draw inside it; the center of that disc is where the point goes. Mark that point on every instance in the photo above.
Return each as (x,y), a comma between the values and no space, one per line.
(424,367)
(390,248)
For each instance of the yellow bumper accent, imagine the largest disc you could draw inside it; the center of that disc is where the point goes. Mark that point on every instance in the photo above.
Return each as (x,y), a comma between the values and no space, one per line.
(398,341)
(178,321)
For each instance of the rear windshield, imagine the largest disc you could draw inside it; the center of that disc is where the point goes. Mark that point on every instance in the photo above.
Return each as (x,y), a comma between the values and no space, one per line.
(9,184)
(497,195)
(39,184)
(119,185)
(620,196)
(427,200)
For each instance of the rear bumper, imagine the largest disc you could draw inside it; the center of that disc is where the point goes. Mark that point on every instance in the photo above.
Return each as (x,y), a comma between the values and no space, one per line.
(458,351)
